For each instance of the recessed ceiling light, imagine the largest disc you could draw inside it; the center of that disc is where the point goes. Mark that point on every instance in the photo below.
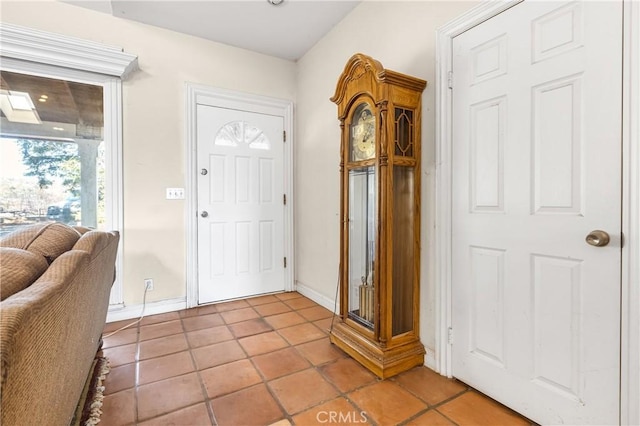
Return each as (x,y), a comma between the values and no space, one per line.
(42,100)
(44,97)
(276,2)
(58,128)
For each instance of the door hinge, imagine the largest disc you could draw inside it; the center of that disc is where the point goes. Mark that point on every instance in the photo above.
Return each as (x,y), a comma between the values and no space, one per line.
(450,336)
(450,79)
(285,262)
(284,136)
(284,199)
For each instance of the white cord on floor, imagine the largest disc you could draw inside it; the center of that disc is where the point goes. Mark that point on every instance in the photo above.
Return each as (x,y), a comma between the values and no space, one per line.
(144,305)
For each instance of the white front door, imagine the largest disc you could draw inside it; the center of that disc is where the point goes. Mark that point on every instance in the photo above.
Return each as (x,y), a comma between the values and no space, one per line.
(536,168)
(240,203)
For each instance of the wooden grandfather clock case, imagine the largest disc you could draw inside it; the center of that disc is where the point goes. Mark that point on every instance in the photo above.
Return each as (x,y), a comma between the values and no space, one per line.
(379,112)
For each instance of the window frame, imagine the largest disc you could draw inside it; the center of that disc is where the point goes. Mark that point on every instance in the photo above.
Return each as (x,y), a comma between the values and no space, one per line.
(28,51)
(112,96)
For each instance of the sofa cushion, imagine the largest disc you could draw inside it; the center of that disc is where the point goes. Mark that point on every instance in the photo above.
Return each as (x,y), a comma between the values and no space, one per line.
(47,239)
(94,242)
(18,270)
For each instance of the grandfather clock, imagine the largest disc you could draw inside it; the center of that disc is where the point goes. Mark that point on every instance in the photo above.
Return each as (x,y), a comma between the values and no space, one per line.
(379,112)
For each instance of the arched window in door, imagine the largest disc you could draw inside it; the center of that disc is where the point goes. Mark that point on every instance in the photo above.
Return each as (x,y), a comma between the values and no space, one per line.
(237,132)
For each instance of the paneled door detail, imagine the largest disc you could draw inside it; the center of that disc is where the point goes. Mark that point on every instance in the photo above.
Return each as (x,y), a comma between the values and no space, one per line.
(537,121)
(240,204)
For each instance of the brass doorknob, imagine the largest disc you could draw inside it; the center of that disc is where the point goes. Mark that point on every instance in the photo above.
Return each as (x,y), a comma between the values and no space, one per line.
(597,238)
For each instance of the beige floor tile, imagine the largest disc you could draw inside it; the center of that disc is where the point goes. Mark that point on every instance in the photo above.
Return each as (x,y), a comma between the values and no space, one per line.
(325,324)
(280,363)
(286,319)
(272,309)
(162,329)
(121,355)
(202,321)
(347,375)
(207,309)
(123,337)
(238,315)
(154,319)
(248,407)
(218,354)
(428,385)
(195,415)
(229,306)
(386,403)
(230,377)
(119,408)
(283,422)
(163,346)
(120,378)
(249,328)
(262,343)
(200,310)
(168,395)
(163,367)
(209,336)
(300,303)
(288,295)
(261,300)
(302,333)
(336,412)
(320,351)
(302,390)
(431,418)
(113,326)
(473,408)
(315,313)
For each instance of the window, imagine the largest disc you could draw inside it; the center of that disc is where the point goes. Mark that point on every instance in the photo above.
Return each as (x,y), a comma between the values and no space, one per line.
(52,152)
(74,65)
(235,132)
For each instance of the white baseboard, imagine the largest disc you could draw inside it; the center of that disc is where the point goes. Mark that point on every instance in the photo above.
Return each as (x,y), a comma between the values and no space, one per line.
(120,312)
(430,360)
(320,299)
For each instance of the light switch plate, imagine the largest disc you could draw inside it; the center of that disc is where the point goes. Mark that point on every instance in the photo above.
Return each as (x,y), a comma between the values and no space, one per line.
(175,193)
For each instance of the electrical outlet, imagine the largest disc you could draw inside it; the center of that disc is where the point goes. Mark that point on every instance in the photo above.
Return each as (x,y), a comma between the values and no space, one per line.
(175,193)
(148,283)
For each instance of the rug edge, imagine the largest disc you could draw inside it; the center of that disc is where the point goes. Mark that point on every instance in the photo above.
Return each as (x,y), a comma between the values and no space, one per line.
(88,414)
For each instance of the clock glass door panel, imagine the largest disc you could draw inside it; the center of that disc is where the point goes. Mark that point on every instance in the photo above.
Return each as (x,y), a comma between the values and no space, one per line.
(403,249)
(362,210)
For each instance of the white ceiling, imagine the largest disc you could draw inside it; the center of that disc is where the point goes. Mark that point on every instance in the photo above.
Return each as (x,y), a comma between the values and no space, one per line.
(286,31)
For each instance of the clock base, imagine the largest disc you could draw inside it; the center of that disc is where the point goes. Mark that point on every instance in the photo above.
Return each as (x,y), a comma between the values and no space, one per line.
(383,362)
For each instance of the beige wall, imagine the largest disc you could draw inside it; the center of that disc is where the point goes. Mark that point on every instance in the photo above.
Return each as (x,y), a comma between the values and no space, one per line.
(401,35)
(154,135)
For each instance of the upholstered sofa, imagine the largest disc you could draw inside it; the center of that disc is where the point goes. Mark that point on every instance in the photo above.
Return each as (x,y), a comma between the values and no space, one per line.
(55,282)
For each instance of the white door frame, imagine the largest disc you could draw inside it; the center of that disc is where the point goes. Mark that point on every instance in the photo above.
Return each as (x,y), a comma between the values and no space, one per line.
(222,98)
(630,331)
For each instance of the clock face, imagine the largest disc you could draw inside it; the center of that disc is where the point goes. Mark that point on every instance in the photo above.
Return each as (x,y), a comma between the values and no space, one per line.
(363,133)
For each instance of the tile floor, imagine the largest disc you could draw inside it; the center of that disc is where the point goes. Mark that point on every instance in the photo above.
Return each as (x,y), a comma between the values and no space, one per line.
(268,360)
